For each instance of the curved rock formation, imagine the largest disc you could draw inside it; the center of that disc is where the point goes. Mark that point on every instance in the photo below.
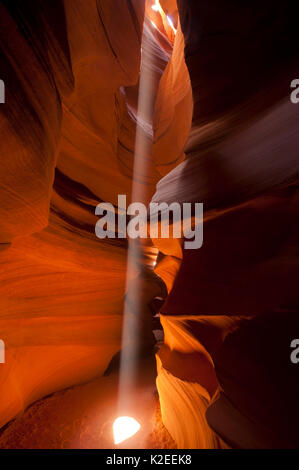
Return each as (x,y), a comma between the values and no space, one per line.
(242,163)
(71,106)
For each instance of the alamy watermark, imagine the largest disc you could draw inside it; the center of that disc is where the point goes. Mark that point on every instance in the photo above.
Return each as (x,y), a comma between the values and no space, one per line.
(295,353)
(2,352)
(159,220)
(2,92)
(294,97)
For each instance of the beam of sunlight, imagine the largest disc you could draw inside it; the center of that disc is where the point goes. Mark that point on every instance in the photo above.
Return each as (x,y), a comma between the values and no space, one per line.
(131,316)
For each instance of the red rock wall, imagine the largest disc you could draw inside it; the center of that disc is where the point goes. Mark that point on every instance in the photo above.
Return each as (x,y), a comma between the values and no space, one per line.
(68,133)
(242,163)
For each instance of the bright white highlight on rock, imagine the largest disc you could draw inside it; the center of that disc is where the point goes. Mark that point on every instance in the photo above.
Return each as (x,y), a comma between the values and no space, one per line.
(170,22)
(124,427)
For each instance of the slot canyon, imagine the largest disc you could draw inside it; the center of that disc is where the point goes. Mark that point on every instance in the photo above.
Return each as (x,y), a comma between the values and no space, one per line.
(202,88)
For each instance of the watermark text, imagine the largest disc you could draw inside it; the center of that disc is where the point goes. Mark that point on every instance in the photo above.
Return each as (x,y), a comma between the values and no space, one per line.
(159,220)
